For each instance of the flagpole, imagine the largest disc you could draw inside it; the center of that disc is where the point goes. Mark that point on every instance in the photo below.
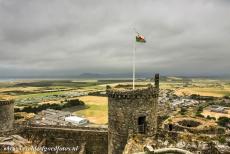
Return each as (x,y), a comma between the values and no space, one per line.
(134,57)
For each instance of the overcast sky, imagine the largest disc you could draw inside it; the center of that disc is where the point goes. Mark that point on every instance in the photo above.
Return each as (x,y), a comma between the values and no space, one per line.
(56,37)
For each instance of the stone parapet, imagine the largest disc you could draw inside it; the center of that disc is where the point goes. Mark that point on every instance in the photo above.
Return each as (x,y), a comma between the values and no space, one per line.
(119,93)
(86,128)
(6,102)
(95,141)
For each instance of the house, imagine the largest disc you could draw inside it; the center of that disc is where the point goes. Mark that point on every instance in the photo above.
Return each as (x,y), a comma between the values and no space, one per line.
(76,120)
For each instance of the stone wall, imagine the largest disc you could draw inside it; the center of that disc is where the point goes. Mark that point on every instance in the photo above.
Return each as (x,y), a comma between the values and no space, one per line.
(94,141)
(125,107)
(206,130)
(6,115)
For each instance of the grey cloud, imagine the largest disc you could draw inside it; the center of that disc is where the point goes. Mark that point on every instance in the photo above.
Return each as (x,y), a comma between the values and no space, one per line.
(183,36)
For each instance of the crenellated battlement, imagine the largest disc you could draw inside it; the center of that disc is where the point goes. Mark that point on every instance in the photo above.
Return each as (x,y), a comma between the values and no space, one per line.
(121,93)
(6,102)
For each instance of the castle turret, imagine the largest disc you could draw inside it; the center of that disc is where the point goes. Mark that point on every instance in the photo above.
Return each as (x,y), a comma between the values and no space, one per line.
(131,112)
(6,115)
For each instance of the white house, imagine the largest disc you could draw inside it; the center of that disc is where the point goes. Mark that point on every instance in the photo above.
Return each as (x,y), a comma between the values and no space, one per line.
(76,120)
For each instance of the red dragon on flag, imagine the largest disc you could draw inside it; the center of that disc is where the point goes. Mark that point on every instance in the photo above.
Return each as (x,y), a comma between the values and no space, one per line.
(140,38)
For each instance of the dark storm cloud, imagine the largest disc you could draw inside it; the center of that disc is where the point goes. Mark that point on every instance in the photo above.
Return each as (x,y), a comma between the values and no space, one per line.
(70,37)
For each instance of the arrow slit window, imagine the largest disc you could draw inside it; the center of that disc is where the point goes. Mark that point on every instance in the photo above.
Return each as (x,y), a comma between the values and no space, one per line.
(141,124)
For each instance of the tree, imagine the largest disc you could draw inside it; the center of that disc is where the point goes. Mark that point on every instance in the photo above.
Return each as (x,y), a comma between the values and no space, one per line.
(183,111)
(210,118)
(226,97)
(224,121)
(199,111)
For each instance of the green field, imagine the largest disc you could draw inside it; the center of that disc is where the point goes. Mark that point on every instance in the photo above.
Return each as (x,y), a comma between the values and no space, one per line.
(97,111)
(32,93)
(203,87)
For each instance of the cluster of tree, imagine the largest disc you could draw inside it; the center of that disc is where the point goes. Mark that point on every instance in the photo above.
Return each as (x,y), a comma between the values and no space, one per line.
(199,111)
(223,103)
(199,97)
(36,109)
(226,97)
(73,102)
(97,93)
(183,110)
(220,103)
(210,118)
(224,122)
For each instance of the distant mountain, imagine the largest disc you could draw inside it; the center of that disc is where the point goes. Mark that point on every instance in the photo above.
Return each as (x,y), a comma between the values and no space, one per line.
(143,76)
(129,75)
(113,75)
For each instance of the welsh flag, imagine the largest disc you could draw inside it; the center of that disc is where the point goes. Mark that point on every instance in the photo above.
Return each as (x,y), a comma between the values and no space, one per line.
(140,38)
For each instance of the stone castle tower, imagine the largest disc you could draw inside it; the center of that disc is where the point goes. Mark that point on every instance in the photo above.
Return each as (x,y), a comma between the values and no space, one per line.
(131,112)
(6,115)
